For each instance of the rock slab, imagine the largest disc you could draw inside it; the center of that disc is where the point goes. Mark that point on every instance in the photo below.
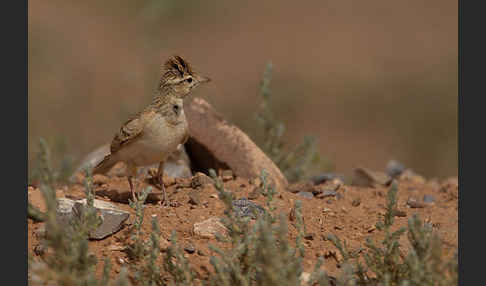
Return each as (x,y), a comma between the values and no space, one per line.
(112,218)
(215,142)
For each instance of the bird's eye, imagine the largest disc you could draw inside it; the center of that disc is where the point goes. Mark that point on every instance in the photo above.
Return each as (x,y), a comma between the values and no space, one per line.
(175,107)
(189,80)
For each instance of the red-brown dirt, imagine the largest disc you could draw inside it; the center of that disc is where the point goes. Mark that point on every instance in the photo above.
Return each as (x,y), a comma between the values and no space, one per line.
(321,216)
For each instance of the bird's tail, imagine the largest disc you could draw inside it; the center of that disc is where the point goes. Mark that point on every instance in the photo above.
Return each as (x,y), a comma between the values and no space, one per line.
(105,165)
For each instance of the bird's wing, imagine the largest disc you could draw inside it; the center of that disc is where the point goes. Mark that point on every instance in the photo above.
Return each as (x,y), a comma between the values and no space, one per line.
(130,131)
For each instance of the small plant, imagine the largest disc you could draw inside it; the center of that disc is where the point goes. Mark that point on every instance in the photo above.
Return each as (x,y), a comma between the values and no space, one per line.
(136,249)
(68,261)
(260,253)
(295,163)
(149,273)
(424,264)
(43,164)
(177,265)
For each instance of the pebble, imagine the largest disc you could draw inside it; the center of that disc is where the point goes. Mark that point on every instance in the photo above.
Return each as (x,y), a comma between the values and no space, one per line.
(429,199)
(414,203)
(326,194)
(200,180)
(322,178)
(307,195)
(190,249)
(227,175)
(309,236)
(394,168)
(245,208)
(201,253)
(367,178)
(194,198)
(399,213)
(356,202)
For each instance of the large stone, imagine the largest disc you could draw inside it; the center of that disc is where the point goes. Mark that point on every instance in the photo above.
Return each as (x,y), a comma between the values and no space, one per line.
(209,228)
(112,218)
(217,144)
(367,178)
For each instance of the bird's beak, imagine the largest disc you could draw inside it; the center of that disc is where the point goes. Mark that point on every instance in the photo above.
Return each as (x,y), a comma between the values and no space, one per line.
(203,79)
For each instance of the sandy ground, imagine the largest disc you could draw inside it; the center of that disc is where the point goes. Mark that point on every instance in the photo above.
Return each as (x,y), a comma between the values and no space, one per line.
(338,215)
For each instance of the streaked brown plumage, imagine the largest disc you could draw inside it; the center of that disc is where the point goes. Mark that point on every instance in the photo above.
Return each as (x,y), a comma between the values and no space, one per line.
(154,133)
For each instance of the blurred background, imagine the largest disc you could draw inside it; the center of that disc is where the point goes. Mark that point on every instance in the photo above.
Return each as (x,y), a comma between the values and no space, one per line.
(371,80)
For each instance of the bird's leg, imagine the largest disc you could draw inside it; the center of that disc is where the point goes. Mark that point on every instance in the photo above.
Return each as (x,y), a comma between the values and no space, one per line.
(131,187)
(160,180)
(132,172)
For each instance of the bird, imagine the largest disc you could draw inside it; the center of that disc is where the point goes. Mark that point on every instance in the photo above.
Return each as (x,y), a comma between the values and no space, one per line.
(151,135)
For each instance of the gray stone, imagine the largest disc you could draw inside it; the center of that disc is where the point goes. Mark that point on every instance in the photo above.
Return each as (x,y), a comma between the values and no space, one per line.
(327,194)
(324,177)
(307,195)
(429,199)
(394,168)
(190,249)
(245,208)
(112,218)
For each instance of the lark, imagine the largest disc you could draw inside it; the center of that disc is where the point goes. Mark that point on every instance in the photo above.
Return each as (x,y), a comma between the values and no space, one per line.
(154,133)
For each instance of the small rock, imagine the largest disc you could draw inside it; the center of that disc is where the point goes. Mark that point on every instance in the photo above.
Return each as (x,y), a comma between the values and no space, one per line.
(414,203)
(399,213)
(194,198)
(449,185)
(429,199)
(245,208)
(200,252)
(307,195)
(371,229)
(322,178)
(183,182)
(309,236)
(326,194)
(209,228)
(300,187)
(227,175)
(356,202)
(112,218)
(200,180)
(213,196)
(253,195)
(190,249)
(411,176)
(394,168)
(366,178)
